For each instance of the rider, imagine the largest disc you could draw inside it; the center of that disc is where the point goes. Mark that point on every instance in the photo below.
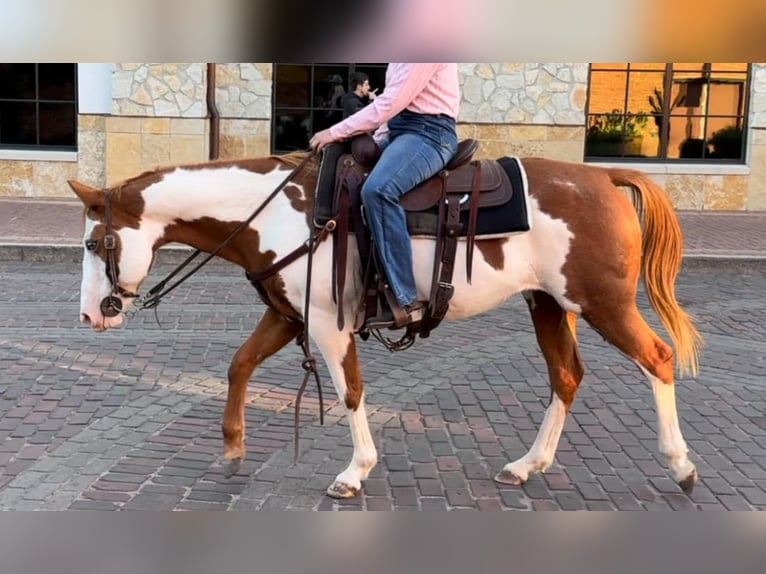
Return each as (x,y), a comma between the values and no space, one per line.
(414,118)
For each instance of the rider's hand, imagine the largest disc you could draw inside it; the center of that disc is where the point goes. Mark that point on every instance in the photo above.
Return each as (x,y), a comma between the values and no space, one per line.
(321,139)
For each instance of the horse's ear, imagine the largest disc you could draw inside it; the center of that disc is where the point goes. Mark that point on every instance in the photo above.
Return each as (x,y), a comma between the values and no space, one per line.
(90,196)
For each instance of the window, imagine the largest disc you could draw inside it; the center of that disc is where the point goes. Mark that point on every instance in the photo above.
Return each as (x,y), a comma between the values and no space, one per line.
(672,112)
(307,99)
(38,106)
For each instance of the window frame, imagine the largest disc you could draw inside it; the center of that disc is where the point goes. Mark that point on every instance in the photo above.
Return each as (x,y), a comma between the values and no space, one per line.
(662,158)
(62,151)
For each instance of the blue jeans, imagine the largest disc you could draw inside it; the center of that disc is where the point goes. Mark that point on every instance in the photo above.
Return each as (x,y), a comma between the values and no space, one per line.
(419,146)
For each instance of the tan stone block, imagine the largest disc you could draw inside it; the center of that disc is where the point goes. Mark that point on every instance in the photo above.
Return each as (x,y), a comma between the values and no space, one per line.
(155,151)
(50,178)
(497,149)
(520,133)
(494,132)
(124,125)
(14,169)
(567,133)
(245,127)
(16,178)
(725,193)
(189,126)
(257,146)
(89,122)
(187,149)
(465,131)
(267,70)
(485,71)
(141,96)
(155,125)
(578,98)
(756,193)
(512,67)
(91,158)
(231,146)
(686,191)
(563,150)
(123,156)
(731,196)
(227,74)
(757,137)
(7,190)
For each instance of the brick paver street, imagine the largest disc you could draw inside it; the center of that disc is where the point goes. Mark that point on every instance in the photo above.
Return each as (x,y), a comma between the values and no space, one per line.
(130,419)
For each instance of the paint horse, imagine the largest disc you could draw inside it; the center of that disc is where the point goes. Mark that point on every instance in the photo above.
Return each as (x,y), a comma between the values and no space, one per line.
(583,256)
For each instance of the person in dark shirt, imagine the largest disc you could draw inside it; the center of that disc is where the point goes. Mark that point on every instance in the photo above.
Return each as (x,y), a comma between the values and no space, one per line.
(360,94)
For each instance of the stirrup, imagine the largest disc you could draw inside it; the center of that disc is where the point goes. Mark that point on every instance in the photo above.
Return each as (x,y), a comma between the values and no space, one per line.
(397,316)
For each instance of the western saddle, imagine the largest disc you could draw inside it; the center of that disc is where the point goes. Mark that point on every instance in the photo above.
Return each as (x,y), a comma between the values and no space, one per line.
(463,186)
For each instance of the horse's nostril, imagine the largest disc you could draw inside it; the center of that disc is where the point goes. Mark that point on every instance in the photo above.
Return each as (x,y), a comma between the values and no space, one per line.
(84,319)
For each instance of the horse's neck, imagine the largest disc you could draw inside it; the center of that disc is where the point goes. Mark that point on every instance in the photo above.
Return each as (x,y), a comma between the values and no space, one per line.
(202,208)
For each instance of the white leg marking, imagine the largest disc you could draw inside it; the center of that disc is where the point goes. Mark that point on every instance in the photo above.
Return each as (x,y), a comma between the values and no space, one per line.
(365,455)
(671,441)
(333,345)
(541,455)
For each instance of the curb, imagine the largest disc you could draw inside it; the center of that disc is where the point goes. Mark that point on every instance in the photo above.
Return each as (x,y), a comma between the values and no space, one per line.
(45,253)
(72,253)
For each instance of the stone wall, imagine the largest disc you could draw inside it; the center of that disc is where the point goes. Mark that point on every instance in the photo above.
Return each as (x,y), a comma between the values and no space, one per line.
(162,90)
(530,94)
(159,117)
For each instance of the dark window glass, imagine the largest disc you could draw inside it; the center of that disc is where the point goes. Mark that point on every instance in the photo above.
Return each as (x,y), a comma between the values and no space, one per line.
(38,106)
(17,81)
(57,124)
(667,111)
(308,98)
(56,81)
(18,123)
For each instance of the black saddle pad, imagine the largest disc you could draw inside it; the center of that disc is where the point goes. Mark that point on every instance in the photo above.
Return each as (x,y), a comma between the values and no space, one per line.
(512,217)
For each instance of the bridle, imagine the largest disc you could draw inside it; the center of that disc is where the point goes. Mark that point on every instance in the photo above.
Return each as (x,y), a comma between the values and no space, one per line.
(111,305)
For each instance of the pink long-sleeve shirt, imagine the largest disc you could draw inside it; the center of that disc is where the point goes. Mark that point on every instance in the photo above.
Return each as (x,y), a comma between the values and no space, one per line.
(421,88)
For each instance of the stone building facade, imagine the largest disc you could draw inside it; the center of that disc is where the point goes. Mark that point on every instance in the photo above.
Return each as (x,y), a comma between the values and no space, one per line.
(139,116)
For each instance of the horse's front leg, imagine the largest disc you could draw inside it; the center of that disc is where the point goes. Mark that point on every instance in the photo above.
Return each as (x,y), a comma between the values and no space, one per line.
(339,351)
(273,333)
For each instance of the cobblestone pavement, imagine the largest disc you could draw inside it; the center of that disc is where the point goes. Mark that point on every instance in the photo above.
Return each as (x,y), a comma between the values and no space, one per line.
(130,419)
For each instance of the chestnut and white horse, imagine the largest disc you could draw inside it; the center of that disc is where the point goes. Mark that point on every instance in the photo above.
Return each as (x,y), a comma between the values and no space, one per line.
(586,250)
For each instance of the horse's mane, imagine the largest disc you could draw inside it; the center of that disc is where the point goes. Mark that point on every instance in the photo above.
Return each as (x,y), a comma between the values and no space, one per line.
(293,159)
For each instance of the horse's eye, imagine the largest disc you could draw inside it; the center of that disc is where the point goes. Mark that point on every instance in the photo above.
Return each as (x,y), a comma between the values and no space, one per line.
(91,244)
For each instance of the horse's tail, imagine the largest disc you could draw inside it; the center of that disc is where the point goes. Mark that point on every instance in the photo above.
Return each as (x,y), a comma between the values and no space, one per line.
(661,252)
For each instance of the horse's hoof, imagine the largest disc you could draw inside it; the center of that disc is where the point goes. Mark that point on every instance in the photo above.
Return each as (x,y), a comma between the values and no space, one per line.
(687,484)
(507,477)
(231,467)
(342,490)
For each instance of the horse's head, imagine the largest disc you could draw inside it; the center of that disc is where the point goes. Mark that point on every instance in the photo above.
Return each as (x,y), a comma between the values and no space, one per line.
(117,255)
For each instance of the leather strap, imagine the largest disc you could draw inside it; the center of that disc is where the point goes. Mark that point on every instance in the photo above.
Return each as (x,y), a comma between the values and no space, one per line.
(439,243)
(317,238)
(445,290)
(472,218)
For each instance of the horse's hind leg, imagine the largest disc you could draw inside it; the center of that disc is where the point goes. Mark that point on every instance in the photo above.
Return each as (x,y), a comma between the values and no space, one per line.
(555,329)
(627,330)
(273,333)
